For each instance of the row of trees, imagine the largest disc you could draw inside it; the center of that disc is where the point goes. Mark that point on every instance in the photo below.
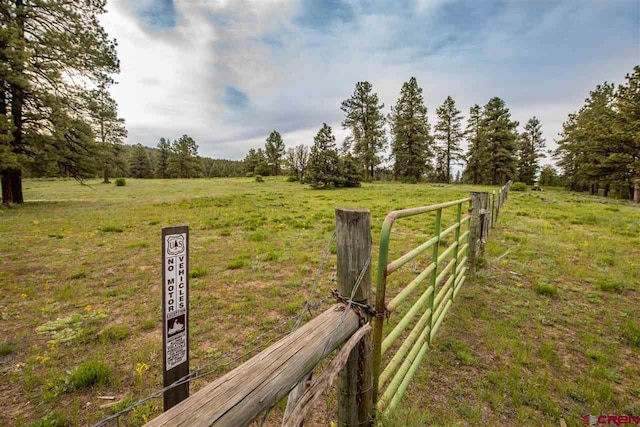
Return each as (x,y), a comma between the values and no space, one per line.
(497,151)
(177,159)
(599,146)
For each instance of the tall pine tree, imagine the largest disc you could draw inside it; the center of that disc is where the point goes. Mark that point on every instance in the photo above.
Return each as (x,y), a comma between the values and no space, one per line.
(140,163)
(477,154)
(365,120)
(44,47)
(184,162)
(164,153)
(531,149)
(628,129)
(323,166)
(599,148)
(411,141)
(449,134)
(498,133)
(109,129)
(274,149)
(587,149)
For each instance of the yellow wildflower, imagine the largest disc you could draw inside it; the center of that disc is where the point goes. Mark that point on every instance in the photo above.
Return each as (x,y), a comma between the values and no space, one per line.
(141,368)
(88,308)
(42,359)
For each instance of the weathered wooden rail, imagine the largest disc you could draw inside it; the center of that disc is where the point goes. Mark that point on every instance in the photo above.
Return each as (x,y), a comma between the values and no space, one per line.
(236,398)
(239,396)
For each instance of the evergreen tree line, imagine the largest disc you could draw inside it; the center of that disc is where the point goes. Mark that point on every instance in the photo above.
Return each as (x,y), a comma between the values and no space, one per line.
(177,159)
(599,147)
(497,152)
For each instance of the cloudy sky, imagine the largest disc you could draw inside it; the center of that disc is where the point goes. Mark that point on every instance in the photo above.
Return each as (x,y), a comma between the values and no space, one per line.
(227,72)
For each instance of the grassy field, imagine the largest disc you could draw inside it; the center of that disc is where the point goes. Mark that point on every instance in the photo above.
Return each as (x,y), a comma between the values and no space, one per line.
(548,329)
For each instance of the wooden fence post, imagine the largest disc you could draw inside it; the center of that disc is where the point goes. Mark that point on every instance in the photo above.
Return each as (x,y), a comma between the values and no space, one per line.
(354,245)
(477,226)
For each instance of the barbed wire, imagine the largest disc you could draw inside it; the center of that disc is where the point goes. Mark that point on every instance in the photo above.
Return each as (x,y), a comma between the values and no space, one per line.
(215,364)
(312,292)
(350,302)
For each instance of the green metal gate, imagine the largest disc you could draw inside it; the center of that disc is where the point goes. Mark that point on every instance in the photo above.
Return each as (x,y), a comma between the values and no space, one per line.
(444,279)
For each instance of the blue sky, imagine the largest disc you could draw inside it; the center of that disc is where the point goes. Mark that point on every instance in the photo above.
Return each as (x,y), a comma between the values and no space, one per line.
(227,72)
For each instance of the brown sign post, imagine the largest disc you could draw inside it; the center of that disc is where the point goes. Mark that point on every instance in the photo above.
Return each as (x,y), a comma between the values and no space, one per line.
(175,312)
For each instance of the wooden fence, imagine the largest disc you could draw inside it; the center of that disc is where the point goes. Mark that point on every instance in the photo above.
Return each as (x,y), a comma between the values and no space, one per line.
(283,369)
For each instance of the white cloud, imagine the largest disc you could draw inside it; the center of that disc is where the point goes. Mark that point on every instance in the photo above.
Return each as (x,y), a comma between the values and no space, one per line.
(542,60)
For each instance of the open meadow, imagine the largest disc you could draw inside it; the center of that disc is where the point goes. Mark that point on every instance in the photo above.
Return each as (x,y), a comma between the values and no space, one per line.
(548,328)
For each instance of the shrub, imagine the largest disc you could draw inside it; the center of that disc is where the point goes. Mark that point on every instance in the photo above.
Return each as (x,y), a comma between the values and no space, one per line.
(55,419)
(271,256)
(236,263)
(481,262)
(257,237)
(409,180)
(90,373)
(292,178)
(6,348)
(631,333)
(259,178)
(120,182)
(519,186)
(545,289)
(610,285)
(110,229)
(198,272)
(80,275)
(148,324)
(122,405)
(249,175)
(113,334)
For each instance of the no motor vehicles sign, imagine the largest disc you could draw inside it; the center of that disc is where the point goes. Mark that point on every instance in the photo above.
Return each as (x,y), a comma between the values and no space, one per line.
(175,311)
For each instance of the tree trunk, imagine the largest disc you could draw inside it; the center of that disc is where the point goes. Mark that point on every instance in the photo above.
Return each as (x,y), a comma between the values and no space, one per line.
(448,162)
(12,178)
(106,174)
(16,185)
(607,187)
(636,192)
(7,190)
(12,186)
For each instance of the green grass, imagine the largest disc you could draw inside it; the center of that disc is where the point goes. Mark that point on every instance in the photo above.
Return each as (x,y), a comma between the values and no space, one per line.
(545,289)
(6,348)
(504,355)
(90,373)
(113,334)
(631,333)
(110,229)
(197,272)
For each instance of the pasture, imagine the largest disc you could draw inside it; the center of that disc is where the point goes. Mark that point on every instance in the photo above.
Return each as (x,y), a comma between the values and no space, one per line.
(548,329)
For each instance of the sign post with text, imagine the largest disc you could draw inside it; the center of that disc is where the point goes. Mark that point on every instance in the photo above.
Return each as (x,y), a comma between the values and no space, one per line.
(175,312)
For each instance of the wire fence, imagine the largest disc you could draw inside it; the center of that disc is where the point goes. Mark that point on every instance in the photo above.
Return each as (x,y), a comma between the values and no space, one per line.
(248,348)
